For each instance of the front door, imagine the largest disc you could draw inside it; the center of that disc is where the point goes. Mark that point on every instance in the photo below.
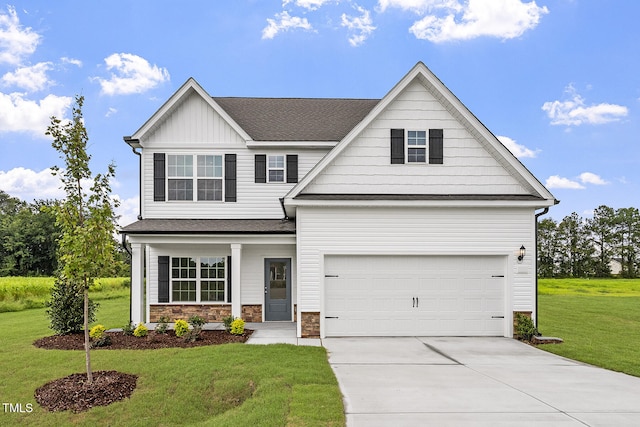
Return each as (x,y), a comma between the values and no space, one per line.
(277,289)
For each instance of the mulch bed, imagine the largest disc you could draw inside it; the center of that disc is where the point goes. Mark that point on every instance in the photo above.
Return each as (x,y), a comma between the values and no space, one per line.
(73,393)
(119,341)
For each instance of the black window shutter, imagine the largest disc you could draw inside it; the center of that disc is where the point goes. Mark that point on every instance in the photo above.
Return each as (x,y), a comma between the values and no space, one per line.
(292,168)
(261,168)
(158,177)
(163,279)
(230,178)
(436,153)
(397,146)
(229,278)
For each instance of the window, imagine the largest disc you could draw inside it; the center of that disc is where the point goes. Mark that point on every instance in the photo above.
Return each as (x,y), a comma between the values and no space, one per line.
(200,279)
(276,168)
(416,146)
(207,177)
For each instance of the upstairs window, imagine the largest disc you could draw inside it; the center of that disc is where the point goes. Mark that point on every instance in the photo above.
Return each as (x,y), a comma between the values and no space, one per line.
(207,179)
(412,147)
(416,146)
(275,168)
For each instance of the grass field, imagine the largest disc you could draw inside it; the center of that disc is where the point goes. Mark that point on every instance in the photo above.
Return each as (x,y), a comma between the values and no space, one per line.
(22,293)
(228,385)
(598,319)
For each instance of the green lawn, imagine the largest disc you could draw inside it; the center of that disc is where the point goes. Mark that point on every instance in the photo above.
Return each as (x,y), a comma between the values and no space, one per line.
(228,385)
(599,321)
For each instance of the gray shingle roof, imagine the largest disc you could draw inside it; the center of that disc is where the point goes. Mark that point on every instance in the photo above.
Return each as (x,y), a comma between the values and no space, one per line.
(296,119)
(211,226)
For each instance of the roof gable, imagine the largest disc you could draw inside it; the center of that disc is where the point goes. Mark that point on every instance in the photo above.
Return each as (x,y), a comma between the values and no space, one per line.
(497,157)
(190,93)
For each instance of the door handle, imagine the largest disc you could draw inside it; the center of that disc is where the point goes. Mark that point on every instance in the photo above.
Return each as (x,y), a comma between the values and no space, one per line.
(265,290)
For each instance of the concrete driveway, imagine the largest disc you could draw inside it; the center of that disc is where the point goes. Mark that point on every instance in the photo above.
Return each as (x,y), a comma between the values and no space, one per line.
(477,382)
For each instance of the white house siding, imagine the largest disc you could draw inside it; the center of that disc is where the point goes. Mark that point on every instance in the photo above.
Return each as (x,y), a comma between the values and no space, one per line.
(414,231)
(364,166)
(253,200)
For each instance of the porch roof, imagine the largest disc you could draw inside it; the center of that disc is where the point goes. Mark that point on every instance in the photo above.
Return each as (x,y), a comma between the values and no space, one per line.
(210,226)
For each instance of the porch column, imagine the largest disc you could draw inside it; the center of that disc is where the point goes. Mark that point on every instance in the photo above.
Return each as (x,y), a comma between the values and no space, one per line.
(137,283)
(236,262)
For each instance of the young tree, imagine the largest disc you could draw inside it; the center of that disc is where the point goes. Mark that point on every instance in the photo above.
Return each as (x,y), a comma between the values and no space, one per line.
(86,216)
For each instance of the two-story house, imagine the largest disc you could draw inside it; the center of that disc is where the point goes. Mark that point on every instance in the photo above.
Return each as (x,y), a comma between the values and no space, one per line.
(352,217)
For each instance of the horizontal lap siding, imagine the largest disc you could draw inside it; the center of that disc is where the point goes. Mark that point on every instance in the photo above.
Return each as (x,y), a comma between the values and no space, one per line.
(253,200)
(413,231)
(253,257)
(365,167)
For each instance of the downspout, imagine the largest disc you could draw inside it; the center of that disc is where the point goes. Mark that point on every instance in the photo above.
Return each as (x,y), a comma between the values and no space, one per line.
(535,261)
(130,141)
(284,211)
(126,248)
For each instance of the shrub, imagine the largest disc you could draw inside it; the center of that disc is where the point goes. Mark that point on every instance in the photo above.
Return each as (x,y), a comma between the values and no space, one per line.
(180,327)
(227,322)
(66,308)
(98,336)
(163,325)
(128,329)
(525,329)
(237,327)
(140,331)
(196,322)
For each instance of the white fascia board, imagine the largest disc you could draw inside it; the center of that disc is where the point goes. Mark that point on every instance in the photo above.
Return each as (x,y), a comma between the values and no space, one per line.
(191,85)
(536,204)
(204,239)
(291,144)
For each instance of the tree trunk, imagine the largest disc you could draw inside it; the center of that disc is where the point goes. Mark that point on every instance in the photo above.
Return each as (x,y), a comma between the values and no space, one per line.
(87,344)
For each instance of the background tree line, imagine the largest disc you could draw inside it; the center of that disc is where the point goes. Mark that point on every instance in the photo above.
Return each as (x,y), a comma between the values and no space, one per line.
(578,247)
(29,239)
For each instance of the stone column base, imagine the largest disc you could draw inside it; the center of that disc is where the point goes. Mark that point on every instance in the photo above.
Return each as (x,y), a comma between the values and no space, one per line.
(310,324)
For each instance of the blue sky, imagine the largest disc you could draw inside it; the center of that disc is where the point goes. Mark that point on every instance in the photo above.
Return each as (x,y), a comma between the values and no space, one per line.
(558,81)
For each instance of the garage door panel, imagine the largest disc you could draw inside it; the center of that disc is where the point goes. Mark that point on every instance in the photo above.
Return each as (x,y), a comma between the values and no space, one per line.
(430,295)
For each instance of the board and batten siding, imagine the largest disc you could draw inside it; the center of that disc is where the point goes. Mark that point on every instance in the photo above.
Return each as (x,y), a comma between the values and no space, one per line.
(254,200)
(365,165)
(414,231)
(193,121)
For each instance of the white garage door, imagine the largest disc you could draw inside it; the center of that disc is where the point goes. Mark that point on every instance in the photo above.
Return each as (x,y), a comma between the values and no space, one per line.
(414,295)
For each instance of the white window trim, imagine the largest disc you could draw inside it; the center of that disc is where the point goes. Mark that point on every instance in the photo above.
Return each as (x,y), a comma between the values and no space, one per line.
(198,279)
(283,169)
(425,147)
(194,178)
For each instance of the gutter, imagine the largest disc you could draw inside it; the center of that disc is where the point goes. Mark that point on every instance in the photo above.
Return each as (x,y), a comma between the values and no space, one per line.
(284,211)
(535,261)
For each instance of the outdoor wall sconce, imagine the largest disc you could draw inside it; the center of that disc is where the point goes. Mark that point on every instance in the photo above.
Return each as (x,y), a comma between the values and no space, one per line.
(523,251)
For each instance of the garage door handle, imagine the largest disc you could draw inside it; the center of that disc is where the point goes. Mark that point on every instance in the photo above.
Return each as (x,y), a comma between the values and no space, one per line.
(417,302)
(331,317)
(497,317)
(331,275)
(414,302)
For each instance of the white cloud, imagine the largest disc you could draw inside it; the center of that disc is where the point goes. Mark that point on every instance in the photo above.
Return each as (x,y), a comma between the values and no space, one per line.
(32,79)
(518,150)
(420,6)
(131,74)
(284,22)
(18,114)
(308,4)
(16,42)
(29,185)
(128,210)
(504,19)
(111,111)
(556,181)
(72,61)
(592,178)
(361,25)
(574,111)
